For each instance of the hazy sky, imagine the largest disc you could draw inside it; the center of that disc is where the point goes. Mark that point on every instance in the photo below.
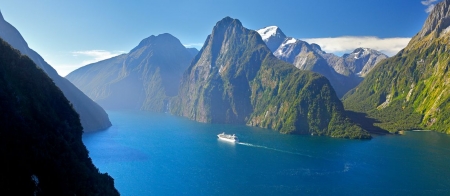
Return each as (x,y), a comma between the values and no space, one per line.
(69,34)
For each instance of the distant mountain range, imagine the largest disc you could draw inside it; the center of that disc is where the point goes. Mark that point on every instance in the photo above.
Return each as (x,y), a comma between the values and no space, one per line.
(40,135)
(233,79)
(143,79)
(92,116)
(343,72)
(411,90)
(236,79)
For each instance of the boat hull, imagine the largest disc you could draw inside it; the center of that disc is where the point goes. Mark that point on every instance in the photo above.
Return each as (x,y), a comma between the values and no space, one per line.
(226,139)
(229,138)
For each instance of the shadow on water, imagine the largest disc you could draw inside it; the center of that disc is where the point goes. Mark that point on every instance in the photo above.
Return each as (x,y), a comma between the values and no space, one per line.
(366,123)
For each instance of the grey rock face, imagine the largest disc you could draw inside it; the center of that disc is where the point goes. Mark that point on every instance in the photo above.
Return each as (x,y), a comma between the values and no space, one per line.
(236,79)
(358,63)
(92,116)
(343,72)
(439,19)
(410,90)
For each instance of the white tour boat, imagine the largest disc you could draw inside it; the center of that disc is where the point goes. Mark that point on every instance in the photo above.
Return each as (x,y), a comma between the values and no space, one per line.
(227,137)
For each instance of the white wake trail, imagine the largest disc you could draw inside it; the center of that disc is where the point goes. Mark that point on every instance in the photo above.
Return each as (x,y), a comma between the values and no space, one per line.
(274,149)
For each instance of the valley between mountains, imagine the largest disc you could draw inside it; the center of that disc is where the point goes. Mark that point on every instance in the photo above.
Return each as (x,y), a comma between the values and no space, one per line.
(235,78)
(256,78)
(267,79)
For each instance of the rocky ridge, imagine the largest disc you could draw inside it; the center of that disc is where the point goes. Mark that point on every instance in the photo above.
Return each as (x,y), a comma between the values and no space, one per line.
(236,79)
(343,72)
(92,116)
(411,89)
(143,79)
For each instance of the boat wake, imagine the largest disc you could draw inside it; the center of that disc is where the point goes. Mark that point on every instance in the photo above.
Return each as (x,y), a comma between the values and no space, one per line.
(274,149)
(319,172)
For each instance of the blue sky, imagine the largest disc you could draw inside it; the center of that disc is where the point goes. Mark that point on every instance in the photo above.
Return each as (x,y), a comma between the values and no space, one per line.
(69,34)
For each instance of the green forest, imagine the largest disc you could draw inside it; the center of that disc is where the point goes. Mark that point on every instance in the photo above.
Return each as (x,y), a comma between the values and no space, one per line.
(40,138)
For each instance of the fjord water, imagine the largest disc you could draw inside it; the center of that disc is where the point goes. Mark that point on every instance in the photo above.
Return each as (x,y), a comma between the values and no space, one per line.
(159,154)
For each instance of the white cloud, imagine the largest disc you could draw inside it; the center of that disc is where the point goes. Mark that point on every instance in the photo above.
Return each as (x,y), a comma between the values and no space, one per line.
(66,62)
(429,8)
(430,4)
(194,45)
(96,55)
(346,44)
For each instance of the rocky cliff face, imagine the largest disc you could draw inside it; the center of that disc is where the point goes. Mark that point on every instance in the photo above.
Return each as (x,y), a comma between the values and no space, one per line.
(411,89)
(310,57)
(344,72)
(236,79)
(92,116)
(437,22)
(143,79)
(358,63)
(40,135)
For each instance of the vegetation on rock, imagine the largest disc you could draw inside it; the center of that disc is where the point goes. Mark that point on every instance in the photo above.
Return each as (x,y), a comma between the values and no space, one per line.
(412,89)
(93,117)
(40,136)
(236,79)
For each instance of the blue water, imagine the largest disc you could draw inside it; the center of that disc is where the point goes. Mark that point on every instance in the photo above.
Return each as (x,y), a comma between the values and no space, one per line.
(159,154)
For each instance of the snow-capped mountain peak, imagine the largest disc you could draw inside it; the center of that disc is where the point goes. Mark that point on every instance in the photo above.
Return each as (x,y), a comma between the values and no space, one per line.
(268,32)
(272,36)
(362,52)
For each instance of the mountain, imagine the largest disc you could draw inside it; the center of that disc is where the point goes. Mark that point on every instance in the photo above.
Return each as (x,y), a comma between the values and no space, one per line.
(358,63)
(93,117)
(309,57)
(192,51)
(143,79)
(344,72)
(40,136)
(272,36)
(236,79)
(411,89)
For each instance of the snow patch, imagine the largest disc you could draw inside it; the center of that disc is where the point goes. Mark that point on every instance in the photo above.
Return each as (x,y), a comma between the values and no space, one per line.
(290,40)
(366,51)
(359,54)
(286,43)
(267,32)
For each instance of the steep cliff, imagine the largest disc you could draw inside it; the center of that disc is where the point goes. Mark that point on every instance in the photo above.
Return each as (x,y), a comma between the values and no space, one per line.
(236,79)
(40,135)
(411,90)
(93,117)
(344,73)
